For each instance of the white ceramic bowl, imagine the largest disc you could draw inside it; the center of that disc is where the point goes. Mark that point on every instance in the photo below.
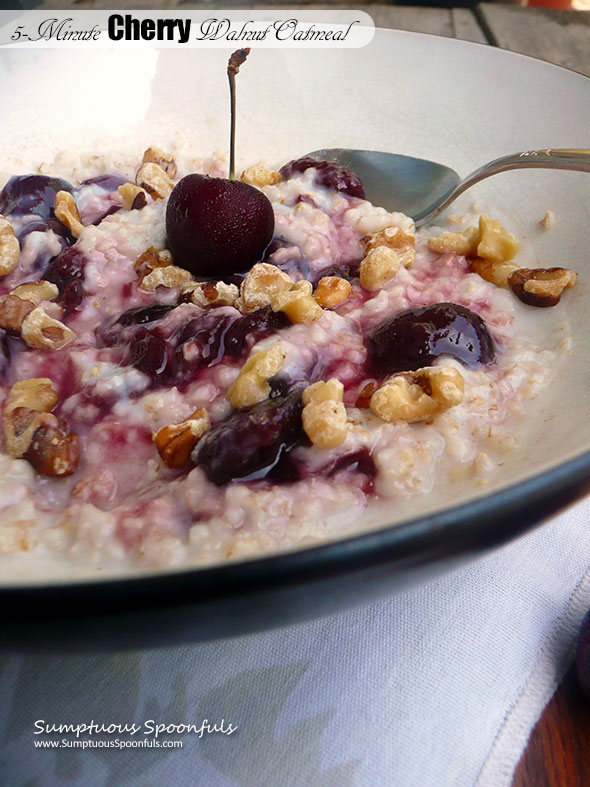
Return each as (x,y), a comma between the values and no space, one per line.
(450,101)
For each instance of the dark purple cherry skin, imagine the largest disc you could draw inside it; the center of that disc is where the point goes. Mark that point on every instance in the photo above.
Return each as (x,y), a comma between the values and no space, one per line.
(149,353)
(67,272)
(328,174)
(259,324)
(217,227)
(416,337)
(31,194)
(249,444)
(583,657)
(145,314)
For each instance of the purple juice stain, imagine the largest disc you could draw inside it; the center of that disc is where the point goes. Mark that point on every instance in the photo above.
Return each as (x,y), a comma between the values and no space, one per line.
(416,337)
(328,174)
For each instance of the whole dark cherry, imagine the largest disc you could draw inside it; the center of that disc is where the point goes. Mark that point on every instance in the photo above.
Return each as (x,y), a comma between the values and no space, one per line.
(31,194)
(328,174)
(217,227)
(416,337)
(251,443)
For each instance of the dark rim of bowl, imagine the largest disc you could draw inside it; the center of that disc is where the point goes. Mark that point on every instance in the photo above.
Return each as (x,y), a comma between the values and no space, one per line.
(468,529)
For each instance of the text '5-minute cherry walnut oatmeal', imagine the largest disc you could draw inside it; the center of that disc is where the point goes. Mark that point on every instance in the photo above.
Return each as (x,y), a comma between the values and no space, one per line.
(169,401)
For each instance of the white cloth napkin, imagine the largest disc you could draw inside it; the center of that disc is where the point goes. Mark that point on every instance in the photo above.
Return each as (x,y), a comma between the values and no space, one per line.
(437,686)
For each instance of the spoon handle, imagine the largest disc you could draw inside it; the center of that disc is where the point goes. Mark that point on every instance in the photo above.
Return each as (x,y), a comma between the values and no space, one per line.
(572,159)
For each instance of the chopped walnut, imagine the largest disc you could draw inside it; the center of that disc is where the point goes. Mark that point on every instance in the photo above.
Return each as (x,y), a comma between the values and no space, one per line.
(324,415)
(66,211)
(260,176)
(13,311)
(456,242)
(332,291)
(298,303)
(33,433)
(54,451)
(213,293)
(154,180)
(170,276)
(497,273)
(333,390)
(133,196)
(541,286)
(418,396)
(36,291)
(9,248)
(153,258)
(262,283)
(176,441)
(250,387)
(402,242)
(392,237)
(496,243)
(548,220)
(154,155)
(378,267)
(42,332)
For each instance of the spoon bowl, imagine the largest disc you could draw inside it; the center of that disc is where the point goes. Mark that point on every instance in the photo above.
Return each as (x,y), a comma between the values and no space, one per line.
(422,189)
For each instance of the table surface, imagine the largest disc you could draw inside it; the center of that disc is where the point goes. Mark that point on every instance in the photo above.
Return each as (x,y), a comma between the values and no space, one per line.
(558,752)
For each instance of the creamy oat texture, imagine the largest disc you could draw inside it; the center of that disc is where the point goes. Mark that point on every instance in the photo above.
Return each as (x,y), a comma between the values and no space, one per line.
(125,509)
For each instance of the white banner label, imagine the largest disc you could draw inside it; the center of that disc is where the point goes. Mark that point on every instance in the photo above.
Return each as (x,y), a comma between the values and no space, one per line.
(299,29)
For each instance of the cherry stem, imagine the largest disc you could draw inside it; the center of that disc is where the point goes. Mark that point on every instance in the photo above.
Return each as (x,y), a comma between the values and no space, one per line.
(233,68)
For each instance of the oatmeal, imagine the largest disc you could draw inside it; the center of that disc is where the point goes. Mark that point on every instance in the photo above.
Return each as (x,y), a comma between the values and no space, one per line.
(154,416)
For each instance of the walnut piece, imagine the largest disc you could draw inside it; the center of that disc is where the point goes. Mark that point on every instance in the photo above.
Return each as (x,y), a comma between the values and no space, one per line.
(9,247)
(497,273)
(153,258)
(66,211)
(250,386)
(54,450)
(324,415)
(541,286)
(496,243)
(154,155)
(548,220)
(379,267)
(418,396)
(262,283)
(42,332)
(298,303)
(332,291)
(34,434)
(36,291)
(169,276)
(394,238)
(176,441)
(456,242)
(13,311)
(260,176)
(133,196)
(212,293)
(154,180)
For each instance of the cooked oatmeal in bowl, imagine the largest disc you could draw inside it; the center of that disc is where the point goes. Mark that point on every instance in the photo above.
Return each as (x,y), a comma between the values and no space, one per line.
(156,417)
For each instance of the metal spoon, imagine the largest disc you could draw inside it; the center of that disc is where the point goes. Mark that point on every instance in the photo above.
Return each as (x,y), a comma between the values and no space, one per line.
(422,189)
